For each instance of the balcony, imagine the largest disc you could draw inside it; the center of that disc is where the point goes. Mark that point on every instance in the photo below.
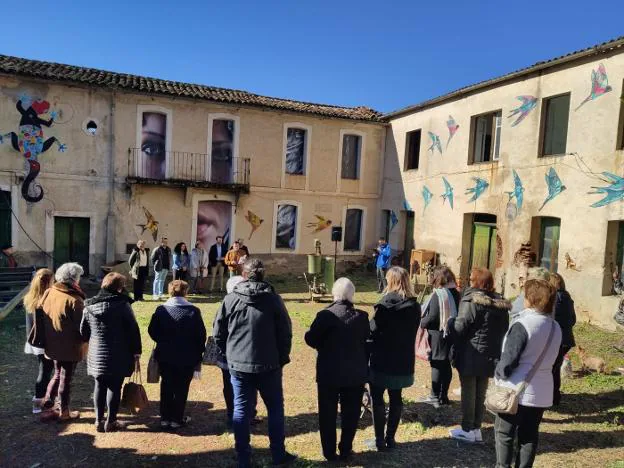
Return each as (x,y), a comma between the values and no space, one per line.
(182,169)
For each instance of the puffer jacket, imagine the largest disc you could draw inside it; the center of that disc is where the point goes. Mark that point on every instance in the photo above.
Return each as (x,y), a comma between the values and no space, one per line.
(565,316)
(478,332)
(393,333)
(109,325)
(253,329)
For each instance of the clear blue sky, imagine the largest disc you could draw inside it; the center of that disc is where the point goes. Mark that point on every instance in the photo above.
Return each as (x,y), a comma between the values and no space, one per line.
(385,55)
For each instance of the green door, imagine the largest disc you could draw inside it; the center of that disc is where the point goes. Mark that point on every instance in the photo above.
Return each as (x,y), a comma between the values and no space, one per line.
(409,238)
(549,244)
(483,252)
(71,241)
(5,218)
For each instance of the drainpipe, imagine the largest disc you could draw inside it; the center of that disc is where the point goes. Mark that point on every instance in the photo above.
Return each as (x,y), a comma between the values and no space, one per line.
(110,218)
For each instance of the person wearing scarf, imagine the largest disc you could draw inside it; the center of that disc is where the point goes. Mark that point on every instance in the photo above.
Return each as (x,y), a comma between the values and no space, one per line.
(439,308)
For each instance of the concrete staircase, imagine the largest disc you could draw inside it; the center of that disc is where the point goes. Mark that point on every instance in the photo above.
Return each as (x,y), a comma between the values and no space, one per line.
(13,287)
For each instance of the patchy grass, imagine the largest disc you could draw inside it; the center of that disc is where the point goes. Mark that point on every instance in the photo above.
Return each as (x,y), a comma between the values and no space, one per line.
(587,430)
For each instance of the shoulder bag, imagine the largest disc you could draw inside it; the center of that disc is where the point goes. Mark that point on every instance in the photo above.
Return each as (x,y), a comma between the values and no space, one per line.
(133,396)
(153,369)
(504,400)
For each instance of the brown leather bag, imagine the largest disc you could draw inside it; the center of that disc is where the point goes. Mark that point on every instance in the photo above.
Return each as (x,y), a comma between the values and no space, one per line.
(134,398)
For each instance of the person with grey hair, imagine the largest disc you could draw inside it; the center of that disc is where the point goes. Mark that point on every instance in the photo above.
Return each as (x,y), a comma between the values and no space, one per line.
(339,334)
(62,305)
(253,330)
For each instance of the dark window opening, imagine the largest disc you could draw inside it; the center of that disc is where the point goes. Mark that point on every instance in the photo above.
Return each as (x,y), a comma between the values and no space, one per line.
(351,148)
(486,134)
(353,230)
(555,115)
(412,149)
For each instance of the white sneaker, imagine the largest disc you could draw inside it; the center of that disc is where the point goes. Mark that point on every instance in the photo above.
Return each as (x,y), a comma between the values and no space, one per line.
(478,435)
(460,434)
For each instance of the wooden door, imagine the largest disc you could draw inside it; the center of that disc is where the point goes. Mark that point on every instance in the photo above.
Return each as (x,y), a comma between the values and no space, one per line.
(483,252)
(5,218)
(71,241)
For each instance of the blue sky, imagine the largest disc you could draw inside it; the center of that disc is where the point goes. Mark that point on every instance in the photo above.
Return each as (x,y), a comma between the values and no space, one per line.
(385,55)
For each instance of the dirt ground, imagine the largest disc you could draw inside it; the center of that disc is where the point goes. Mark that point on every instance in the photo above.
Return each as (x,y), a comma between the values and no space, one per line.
(587,430)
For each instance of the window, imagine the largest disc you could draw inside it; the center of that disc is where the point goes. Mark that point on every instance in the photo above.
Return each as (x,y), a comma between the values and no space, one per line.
(296,151)
(614,259)
(555,113)
(353,230)
(222,151)
(549,244)
(154,129)
(412,149)
(286,227)
(351,148)
(486,134)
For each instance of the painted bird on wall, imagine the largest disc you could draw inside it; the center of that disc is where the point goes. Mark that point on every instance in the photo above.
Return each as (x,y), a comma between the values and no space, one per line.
(554,184)
(435,143)
(320,224)
(614,192)
(448,192)
(427,196)
(517,192)
(600,85)
(478,189)
(407,206)
(394,220)
(528,104)
(150,225)
(452,128)
(254,220)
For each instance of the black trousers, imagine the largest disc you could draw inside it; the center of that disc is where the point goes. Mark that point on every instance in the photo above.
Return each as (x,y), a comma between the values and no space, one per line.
(525,424)
(107,394)
(139,284)
(46,366)
(556,372)
(379,414)
(441,376)
(350,401)
(473,389)
(174,389)
(180,275)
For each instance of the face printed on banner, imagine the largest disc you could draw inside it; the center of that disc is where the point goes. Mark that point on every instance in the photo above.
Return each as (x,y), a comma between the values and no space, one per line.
(222,151)
(153,145)
(214,218)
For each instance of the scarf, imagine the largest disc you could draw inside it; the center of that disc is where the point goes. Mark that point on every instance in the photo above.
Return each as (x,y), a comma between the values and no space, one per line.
(177,301)
(448,309)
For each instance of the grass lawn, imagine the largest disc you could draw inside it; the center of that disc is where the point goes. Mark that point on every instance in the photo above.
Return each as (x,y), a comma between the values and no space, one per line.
(587,430)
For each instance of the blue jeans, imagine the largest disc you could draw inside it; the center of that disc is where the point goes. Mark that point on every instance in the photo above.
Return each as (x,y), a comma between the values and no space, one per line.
(269,384)
(159,281)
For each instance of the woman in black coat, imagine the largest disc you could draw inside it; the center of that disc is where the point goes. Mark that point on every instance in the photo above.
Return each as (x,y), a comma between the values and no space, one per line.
(478,333)
(109,325)
(178,329)
(565,316)
(439,338)
(339,333)
(393,335)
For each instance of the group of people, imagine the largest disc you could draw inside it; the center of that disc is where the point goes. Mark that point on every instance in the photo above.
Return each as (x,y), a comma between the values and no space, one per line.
(190,267)
(474,330)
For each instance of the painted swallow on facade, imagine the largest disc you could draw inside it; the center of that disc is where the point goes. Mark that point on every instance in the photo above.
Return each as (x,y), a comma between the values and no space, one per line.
(394,220)
(150,225)
(448,192)
(254,220)
(435,143)
(427,196)
(555,187)
(614,192)
(528,104)
(320,224)
(478,189)
(452,128)
(518,191)
(600,85)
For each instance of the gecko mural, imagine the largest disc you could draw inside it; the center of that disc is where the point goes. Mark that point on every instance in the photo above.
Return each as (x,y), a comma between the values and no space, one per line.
(30,141)
(480,186)
(528,104)
(599,86)
(554,184)
(448,192)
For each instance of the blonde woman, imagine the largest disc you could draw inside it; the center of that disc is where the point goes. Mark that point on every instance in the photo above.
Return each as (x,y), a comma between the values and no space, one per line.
(393,333)
(42,281)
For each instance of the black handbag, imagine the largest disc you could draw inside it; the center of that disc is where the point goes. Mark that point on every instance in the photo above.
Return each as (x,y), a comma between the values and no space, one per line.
(36,337)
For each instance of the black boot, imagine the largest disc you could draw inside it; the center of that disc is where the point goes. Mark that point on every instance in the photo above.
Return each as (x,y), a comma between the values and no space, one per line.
(379,422)
(394,418)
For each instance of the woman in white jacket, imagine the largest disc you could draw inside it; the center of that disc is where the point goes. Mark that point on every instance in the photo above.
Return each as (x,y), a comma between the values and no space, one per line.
(199,267)
(533,335)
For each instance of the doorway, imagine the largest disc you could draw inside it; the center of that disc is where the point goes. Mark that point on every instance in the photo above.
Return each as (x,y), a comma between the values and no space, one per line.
(5,218)
(483,242)
(549,243)
(71,241)
(409,238)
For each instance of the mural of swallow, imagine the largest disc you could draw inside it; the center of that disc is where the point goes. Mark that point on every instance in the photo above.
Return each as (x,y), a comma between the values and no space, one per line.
(394,220)
(452,128)
(407,206)
(320,224)
(150,225)
(600,85)
(254,220)
(448,192)
(613,192)
(435,143)
(427,196)
(555,187)
(518,191)
(528,104)
(478,189)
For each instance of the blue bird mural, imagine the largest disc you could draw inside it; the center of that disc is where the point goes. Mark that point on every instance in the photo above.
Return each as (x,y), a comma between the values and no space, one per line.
(435,143)
(427,196)
(517,191)
(394,220)
(478,189)
(528,104)
(555,187)
(407,206)
(448,192)
(614,192)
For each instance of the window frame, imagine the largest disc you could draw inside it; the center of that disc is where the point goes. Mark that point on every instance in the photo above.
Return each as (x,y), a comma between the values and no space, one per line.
(497,130)
(166,111)
(362,230)
(297,248)
(361,160)
(406,158)
(540,250)
(222,116)
(306,151)
(543,115)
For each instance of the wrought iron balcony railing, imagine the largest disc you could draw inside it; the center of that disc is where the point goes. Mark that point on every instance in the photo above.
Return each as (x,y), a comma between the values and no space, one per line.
(188,169)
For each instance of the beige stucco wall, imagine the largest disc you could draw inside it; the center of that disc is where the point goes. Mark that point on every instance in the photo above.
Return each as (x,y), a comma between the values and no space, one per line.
(592,134)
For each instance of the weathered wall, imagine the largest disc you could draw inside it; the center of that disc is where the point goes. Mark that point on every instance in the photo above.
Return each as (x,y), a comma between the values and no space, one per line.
(592,134)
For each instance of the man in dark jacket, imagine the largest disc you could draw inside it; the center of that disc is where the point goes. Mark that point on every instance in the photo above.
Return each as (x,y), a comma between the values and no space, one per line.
(253,330)
(161,260)
(216,257)
(339,333)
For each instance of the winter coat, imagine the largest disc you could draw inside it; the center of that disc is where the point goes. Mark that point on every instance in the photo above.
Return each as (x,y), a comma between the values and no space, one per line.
(252,328)
(339,334)
(393,334)
(478,332)
(178,329)
(135,261)
(213,255)
(199,263)
(440,345)
(161,258)
(383,256)
(565,317)
(108,324)
(232,259)
(66,344)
